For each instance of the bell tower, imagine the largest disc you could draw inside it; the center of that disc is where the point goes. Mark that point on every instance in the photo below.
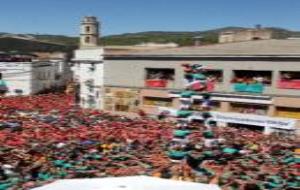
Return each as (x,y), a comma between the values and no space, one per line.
(89,32)
(88,66)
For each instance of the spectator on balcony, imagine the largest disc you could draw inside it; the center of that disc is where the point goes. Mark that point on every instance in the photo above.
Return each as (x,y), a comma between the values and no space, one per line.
(286,76)
(258,79)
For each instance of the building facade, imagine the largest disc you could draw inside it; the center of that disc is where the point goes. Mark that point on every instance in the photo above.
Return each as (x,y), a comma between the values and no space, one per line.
(23,75)
(245,35)
(254,84)
(262,89)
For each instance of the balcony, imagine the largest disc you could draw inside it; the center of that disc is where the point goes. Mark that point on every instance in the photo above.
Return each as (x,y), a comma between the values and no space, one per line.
(156,83)
(198,105)
(289,84)
(159,77)
(251,88)
(251,81)
(254,109)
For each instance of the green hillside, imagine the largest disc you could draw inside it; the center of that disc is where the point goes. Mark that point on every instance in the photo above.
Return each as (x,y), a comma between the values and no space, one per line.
(66,43)
(183,38)
(59,39)
(13,44)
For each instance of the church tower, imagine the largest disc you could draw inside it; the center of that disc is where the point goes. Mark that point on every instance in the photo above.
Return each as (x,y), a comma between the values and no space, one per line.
(89,32)
(88,66)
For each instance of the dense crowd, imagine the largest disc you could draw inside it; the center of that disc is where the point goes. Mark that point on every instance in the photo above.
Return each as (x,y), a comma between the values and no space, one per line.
(46,137)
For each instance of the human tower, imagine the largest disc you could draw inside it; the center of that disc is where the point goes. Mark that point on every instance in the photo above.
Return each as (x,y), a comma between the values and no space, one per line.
(196,83)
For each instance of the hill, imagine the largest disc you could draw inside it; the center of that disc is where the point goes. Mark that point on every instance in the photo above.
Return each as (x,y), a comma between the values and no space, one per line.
(184,38)
(45,42)
(181,38)
(29,43)
(59,39)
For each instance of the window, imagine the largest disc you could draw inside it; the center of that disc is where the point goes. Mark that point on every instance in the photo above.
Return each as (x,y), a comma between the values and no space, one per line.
(92,67)
(249,108)
(250,81)
(91,89)
(214,75)
(123,108)
(251,77)
(158,101)
(87,39)
(158,73)
(19,91)
(289,75)
(89,83)
(91,101)
(288,112)
(289,80)
(159,77)
(57,76)
(87,29)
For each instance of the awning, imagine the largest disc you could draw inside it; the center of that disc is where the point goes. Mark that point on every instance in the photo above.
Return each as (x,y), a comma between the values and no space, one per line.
(126,183)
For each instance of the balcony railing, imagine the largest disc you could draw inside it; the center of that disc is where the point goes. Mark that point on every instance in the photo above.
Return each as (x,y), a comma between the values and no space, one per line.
(156,83)
(252,88)
(289,84)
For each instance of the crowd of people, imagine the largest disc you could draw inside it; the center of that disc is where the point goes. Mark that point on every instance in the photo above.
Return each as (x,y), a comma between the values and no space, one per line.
(47,137)
(253,80)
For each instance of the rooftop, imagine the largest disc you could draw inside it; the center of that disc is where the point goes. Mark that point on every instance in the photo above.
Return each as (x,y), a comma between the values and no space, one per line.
(249,48)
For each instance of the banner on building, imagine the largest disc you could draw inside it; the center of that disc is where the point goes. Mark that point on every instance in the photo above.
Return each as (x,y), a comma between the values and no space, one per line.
(257,120)
(246,119)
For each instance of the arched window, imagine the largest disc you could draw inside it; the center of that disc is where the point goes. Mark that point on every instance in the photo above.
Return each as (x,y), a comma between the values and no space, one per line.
(87,29)
(87,39)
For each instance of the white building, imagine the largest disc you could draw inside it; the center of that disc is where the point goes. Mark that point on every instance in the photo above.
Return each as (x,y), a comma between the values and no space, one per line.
(63,72)
(24,76)
(88,65)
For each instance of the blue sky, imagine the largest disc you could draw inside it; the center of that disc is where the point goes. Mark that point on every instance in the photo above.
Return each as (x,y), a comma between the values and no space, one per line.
(121,16)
